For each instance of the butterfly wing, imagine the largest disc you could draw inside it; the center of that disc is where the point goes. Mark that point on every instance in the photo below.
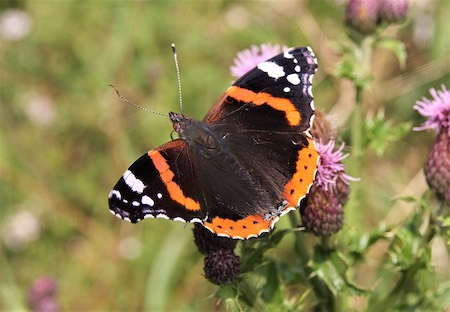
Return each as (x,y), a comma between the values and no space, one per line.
(265,166)
(263,120)
(274,96)
(160,184)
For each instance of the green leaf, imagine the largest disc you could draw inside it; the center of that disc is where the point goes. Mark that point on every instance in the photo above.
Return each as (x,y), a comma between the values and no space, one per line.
(226,292)
(253,250)
(233,305)
(349,69)
(395,46)
(441,296)
(330,267)
(380,133)
(358,245)
(353,65)
(346,69)
(272,286)
(292,273)
(408,248)
(250,258)
(444,228)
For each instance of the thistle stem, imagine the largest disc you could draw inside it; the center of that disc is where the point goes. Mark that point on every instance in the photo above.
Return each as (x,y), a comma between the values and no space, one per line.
(323,294)
(363,57)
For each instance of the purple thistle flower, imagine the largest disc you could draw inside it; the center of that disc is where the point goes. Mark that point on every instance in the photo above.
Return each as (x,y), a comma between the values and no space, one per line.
(330,166)
(393,10)
(322,212)
(41,295)
(249,58)
(436,110)
(362,15)
(437,167)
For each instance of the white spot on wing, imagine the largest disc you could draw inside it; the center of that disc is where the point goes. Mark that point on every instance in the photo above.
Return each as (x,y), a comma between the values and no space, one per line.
(285,211)
(179,219)
(287,54)
(162,216)
(287,89)
(297,68)
(133,183)
(272,69)
(294,79)
(159,195)
(115,193)
(146,200)
(135,203)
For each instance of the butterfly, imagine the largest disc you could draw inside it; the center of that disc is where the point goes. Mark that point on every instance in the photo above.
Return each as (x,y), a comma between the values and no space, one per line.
(248,162)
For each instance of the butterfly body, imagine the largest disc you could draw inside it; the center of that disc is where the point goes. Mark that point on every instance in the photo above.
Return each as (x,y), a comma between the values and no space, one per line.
(248,162)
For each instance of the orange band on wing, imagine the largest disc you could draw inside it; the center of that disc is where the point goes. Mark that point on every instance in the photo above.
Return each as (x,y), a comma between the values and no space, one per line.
(250,226)
(297,188)
(173,189)
(280,104)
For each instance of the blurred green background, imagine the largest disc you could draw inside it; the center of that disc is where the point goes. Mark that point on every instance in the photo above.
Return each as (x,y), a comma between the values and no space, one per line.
(66,138)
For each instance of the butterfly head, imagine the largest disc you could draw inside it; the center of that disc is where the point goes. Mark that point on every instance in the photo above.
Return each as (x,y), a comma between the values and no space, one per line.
(196,134)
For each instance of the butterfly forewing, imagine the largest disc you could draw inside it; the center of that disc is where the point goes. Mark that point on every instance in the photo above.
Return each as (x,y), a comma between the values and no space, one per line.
(161,184)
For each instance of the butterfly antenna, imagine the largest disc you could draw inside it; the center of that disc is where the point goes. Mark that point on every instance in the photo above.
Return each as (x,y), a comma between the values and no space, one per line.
(135,105)
(178,76)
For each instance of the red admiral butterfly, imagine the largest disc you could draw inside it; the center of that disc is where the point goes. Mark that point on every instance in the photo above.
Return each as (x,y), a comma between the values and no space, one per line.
(248,162)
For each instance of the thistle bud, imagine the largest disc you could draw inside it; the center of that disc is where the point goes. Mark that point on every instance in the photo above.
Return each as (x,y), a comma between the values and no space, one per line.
(322,213)
(362,15)
(437,167)
(221,266)
(393,11)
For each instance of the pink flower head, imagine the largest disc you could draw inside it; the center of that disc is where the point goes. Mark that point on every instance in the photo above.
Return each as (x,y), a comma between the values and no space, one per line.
(330,166)
(249,58)
(362,15)
(42,295)
(393,10)
(436,110)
